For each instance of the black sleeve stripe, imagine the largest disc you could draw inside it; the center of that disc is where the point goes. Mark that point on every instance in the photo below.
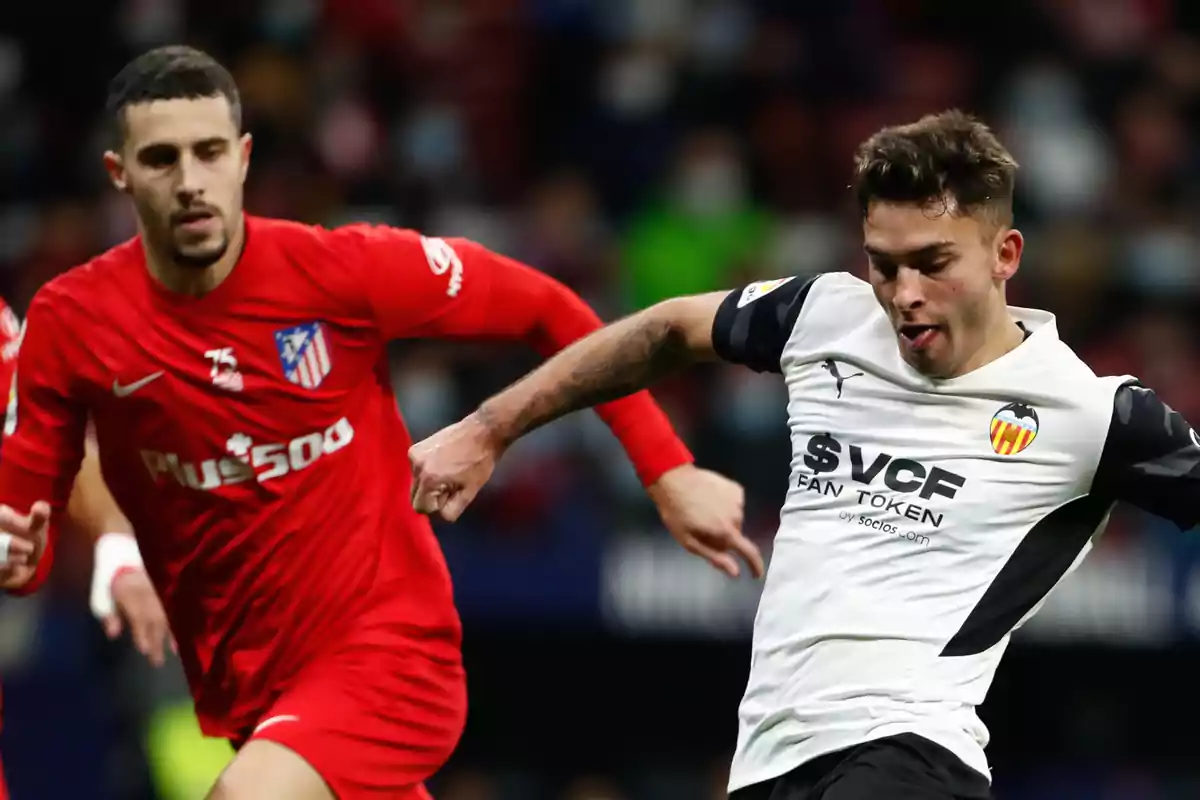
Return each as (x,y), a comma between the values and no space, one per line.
(756,334)
(731,330)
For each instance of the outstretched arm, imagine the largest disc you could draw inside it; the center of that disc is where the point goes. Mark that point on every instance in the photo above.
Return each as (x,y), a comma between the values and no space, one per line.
(701,509)
(427,287)
(424,287)
(742,327)
(749,326)
(613,362)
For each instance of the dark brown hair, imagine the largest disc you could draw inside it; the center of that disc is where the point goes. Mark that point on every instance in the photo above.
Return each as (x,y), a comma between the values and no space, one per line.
(949,159)
(173,72)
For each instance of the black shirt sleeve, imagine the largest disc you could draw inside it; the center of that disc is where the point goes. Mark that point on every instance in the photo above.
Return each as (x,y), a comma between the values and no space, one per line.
(754,323)
(1151,458)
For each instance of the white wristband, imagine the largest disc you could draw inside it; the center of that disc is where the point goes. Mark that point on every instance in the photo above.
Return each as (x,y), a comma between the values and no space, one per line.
(114,552)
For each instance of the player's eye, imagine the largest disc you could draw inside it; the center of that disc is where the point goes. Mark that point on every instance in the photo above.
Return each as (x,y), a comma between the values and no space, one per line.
(932,263)
(885,268)
(931,267)
(210,151)
(158,157)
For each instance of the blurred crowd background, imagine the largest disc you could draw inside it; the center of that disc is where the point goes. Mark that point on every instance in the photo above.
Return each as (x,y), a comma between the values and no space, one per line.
(639,149)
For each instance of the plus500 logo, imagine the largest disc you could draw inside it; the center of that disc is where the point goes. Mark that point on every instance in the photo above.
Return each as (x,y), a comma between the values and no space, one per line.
(248,461)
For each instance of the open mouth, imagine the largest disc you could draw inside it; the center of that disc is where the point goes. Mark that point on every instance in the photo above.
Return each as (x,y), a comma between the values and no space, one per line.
(918,337)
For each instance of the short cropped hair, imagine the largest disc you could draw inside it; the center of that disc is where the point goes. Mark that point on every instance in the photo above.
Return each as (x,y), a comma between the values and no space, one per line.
(169,73)
(950,159)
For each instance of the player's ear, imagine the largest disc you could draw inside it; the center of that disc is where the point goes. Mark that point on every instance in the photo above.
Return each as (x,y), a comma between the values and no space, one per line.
(247,144)
(1010,244)
(114,165)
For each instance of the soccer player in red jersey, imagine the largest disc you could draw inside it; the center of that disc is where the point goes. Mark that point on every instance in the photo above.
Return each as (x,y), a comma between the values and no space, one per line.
(121,590)
(236,371)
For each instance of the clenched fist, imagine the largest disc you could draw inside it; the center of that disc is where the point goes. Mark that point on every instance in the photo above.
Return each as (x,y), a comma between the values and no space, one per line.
(450,467)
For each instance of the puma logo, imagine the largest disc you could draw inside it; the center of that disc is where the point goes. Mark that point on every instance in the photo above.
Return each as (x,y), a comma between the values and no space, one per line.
(831,366)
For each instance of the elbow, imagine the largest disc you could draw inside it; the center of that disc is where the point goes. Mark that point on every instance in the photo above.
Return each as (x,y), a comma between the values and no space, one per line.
(685,326)
(672,311)
(670,317)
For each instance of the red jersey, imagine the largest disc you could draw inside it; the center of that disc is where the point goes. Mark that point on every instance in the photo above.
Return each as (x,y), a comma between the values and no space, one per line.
(252,438)
(10,345)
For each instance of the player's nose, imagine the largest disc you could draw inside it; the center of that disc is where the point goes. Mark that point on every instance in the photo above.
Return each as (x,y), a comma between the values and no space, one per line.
(189,181)
(908,293)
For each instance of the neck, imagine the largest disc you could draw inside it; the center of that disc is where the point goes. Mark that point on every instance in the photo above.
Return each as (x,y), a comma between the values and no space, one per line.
(183,279)
(1002,336)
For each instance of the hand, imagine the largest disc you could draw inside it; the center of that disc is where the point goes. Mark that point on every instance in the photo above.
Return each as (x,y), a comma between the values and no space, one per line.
(22,541)
(450,467)
(703,511)
(136,602)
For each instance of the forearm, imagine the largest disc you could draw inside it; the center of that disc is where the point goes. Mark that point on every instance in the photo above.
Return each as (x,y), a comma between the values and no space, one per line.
(92,507)
(525,305)
(613,362)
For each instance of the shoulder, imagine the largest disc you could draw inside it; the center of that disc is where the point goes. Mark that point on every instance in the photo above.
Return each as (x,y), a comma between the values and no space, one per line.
(1052,376)
(802,289)
(754,324)
(344,269)
(95,282)
(839,296)
(841,284)
(1058,364)
(351,239)
(341,258)
(838,304)
(1136,406)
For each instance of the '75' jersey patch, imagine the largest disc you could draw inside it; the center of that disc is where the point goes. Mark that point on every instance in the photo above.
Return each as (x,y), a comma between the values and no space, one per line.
(304,354)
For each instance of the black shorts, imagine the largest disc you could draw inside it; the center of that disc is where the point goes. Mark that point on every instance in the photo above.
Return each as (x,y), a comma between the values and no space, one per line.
(903,767)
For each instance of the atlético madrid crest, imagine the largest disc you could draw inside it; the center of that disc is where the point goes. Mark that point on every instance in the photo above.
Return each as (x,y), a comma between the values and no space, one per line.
(304,354)
(1014,428)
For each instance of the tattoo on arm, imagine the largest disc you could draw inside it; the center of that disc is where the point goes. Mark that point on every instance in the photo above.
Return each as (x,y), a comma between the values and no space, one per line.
(614,362)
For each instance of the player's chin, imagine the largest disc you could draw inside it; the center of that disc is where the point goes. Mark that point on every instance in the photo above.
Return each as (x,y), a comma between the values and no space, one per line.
(200,255)
(931,360)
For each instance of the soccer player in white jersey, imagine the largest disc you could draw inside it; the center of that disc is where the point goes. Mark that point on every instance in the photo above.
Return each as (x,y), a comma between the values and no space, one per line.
(952,461)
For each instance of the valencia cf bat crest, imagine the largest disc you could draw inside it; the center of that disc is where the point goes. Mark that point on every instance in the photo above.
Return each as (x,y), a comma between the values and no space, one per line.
(1013,428)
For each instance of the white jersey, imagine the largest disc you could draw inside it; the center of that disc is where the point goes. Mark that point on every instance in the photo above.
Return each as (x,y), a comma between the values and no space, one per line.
(925,519)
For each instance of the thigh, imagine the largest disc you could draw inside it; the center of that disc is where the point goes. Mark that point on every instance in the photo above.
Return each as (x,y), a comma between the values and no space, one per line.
(372,723)
(264,770)
(905,767)
(802,783)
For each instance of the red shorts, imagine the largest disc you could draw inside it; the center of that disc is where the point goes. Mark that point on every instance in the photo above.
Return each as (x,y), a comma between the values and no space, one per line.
(374,721)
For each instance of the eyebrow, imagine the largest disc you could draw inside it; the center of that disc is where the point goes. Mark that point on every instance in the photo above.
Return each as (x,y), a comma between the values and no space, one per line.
(206,142)
(937,248)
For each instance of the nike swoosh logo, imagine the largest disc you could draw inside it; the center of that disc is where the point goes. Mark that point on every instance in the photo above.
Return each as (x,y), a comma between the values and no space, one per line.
(130,388)
(266,723)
